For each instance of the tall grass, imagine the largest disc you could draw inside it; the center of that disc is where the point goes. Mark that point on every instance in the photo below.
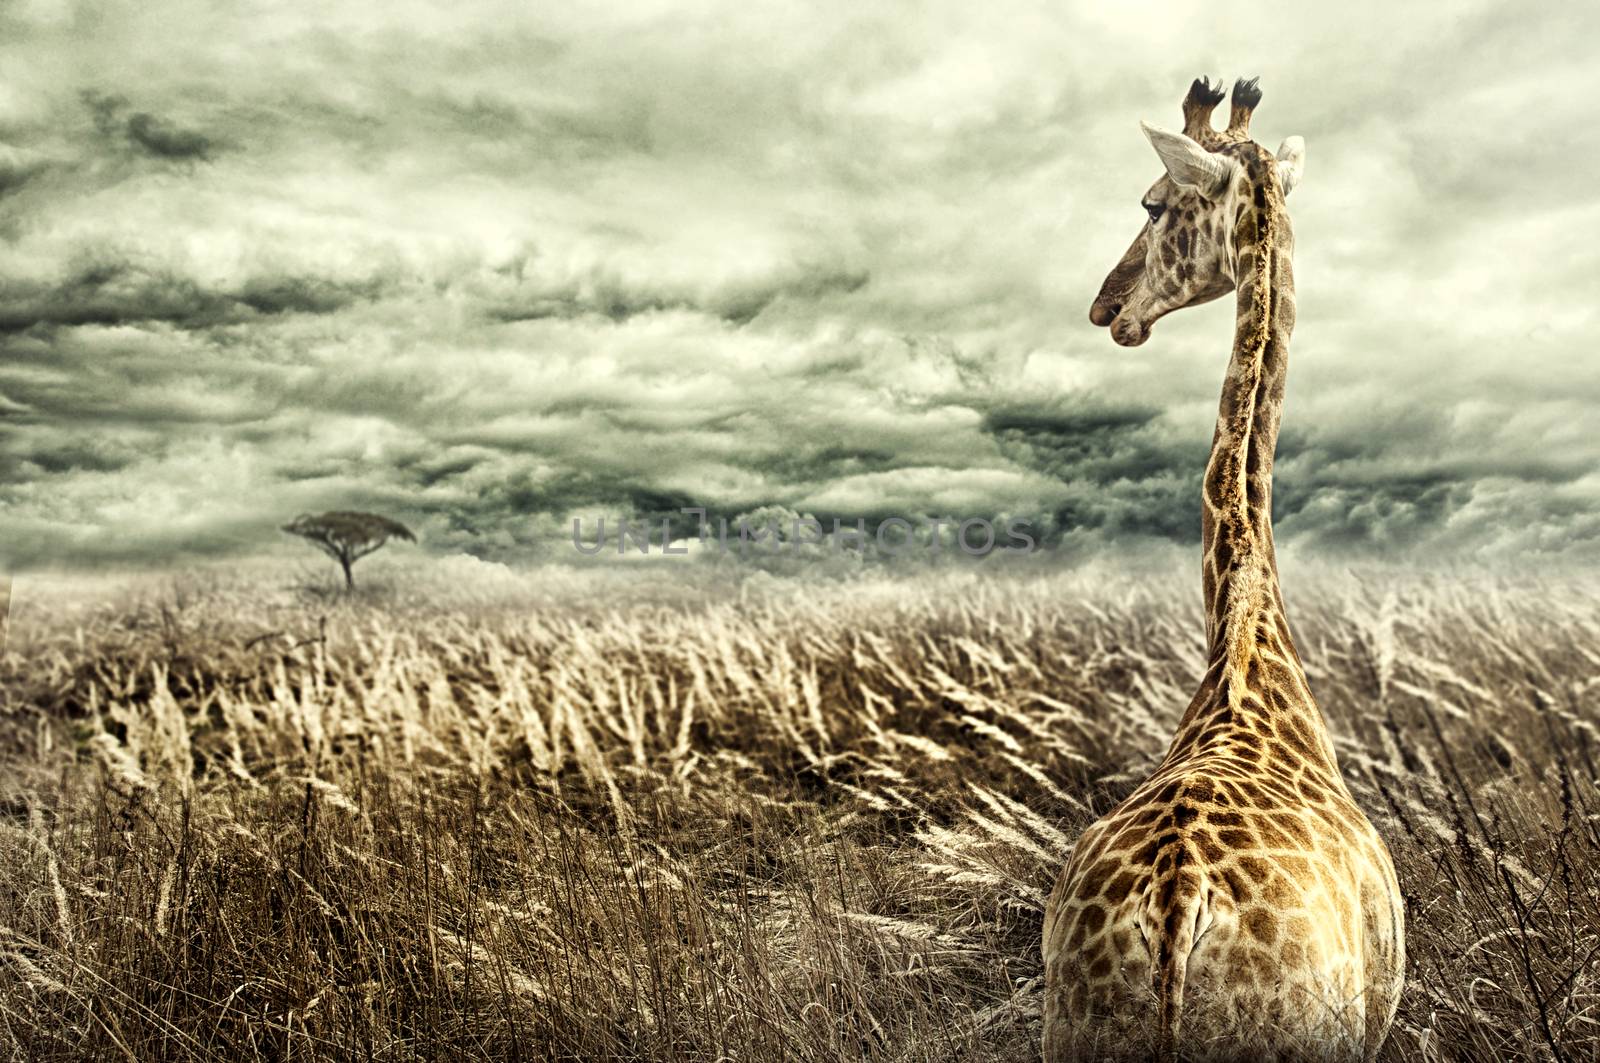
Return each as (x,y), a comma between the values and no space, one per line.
(649,818)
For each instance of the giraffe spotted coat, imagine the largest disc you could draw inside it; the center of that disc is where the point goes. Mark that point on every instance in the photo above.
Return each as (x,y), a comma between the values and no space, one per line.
(1237,905)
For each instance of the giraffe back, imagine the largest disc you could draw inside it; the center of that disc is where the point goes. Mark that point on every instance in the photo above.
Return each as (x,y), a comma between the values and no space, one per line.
(1219,908)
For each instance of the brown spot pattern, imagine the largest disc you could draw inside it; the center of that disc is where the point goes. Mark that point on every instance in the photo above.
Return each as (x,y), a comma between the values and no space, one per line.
(1241,870)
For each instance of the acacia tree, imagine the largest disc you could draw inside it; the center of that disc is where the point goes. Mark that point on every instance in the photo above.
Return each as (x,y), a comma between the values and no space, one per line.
(347,536)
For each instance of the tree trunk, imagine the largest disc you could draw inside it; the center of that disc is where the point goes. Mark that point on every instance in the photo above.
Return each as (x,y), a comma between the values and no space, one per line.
(349,580)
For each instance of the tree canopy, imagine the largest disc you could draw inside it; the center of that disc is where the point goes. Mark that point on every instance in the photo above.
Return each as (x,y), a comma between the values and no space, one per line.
(347,536)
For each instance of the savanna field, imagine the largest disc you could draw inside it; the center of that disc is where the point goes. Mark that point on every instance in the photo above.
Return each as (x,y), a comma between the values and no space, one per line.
(661,814)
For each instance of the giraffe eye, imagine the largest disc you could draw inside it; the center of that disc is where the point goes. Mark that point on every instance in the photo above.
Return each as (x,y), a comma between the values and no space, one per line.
(1154,210)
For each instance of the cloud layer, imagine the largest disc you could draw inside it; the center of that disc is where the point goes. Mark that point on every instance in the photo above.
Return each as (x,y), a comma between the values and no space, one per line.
(484,269)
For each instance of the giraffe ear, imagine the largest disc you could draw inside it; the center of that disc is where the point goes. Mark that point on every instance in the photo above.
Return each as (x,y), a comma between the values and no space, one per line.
(1291,163)
(1189,164)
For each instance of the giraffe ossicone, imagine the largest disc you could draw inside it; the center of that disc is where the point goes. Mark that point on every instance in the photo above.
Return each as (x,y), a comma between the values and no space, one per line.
(1238,904)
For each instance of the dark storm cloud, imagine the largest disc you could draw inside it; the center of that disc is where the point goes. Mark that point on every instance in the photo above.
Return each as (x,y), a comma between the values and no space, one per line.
(434,469)
(1396,510)
(1344,487)
(608,294)
(304,295)
(33,457)
(109,293)
(490,267)
(1124,470)
(17,169)
(819,463)
(155,136)
(1098,442)
(145,133)
(105,289)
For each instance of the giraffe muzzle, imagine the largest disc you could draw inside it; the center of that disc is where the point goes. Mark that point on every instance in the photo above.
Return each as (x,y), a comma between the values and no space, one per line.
(1127,332)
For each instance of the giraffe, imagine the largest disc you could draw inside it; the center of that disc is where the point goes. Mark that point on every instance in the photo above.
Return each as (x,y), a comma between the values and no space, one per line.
(1237,905)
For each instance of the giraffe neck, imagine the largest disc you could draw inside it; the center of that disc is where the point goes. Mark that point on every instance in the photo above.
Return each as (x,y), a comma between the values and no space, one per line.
(1255,689)
(1239,569)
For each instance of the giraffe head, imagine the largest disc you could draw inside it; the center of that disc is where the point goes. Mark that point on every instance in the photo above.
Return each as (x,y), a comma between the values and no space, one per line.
(1184,253)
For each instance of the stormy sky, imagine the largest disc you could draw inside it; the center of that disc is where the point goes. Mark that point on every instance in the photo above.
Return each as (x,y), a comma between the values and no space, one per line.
(486,267)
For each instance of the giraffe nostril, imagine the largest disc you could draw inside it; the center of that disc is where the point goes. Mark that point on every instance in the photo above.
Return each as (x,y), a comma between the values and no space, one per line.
(1104,315)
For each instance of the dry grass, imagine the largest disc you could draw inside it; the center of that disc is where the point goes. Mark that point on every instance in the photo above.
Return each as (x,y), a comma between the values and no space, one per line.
(635,817)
